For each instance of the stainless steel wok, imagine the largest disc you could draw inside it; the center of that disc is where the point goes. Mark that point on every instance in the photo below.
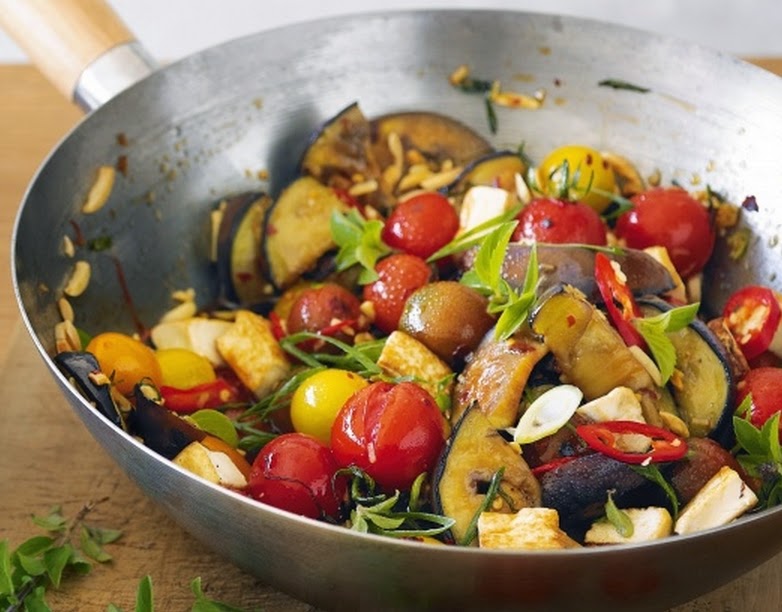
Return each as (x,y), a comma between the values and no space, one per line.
(203,127)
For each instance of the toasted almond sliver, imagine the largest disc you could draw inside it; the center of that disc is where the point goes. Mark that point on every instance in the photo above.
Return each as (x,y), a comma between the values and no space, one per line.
(66,337)
(100,190)
(441,179)
(185,310)
(363,188)
(79,280)
(66,310)
(67,246)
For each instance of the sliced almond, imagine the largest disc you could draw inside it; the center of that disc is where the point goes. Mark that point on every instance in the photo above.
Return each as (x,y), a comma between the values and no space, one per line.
(100,191)
(80,278)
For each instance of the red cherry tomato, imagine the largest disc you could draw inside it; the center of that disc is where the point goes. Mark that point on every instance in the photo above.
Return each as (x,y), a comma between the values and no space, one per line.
(399,276)
(672,218)
(765,385)
(295,472)
(392,432)
(753,315)
(558,221)
(421,224)
(324,309)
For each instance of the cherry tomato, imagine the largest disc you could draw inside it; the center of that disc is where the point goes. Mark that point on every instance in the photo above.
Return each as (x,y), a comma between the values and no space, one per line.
(324,309)
(753,316)
(183,368)
(295,472)
(421,224)
(672,218)
(589,176)
(765,385)
(399,276)
(318,399)
(559,221)
(125,360)
(392,432)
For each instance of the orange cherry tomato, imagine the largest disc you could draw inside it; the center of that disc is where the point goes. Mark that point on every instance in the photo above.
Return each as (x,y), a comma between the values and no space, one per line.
(125,360)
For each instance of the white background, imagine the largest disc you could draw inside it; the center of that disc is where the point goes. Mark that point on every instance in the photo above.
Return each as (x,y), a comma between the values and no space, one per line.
(173,28)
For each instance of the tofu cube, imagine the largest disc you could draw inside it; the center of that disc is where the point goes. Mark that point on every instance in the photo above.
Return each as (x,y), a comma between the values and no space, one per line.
(648,524)
(197,334)
(403,355)
(251,350)
(528,529)
(213,466)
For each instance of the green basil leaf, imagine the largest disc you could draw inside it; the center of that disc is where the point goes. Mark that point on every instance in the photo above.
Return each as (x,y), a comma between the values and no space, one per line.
(749,437)
(6,580)
(54,521)
(619,518)
(653,473)
(102,535)
(216,423)
(35,545)
(204,604)
(144,599)
(55,560)
(32,565)
(92,548)
(35,601)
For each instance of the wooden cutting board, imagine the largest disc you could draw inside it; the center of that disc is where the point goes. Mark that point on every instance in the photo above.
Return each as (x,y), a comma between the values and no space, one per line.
(48,458)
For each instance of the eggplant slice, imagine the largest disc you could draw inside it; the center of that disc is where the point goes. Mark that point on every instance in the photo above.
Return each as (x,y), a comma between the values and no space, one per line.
(81,367)
(497,169)
(474,453)
(704,391)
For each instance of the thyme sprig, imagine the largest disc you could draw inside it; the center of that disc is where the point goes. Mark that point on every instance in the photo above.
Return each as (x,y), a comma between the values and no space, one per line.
(491,494)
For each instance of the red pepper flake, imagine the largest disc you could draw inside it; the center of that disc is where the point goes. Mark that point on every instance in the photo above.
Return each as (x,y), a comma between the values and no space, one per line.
(122,139)
(571,320)
(750,204)
(122,164)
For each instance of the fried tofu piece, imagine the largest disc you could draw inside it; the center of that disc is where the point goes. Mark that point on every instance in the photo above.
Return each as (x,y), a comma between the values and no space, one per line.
(648,524)
(403,355)
(197,334)
(722,499)
(251,350)
(213,466)
(528,529)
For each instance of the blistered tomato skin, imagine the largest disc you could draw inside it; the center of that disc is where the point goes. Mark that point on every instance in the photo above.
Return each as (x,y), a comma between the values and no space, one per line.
(399,275)
(392,432)
(765,385)
(295,472)
(558,221)
(319,398)
(125,360)
(589,175)
(321,308)
(672,218)
(421,225)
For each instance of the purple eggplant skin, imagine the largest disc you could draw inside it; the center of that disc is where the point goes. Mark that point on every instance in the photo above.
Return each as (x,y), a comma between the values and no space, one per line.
(160,429)
(496,169)
(578,489)
(575,265)
(78,366)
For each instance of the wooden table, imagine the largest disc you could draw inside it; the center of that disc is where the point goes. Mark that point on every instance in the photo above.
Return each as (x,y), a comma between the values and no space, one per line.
(48,458)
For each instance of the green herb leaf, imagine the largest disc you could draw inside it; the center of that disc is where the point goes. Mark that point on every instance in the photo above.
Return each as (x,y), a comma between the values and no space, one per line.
(749,437)
(652,472)
(618,518)
(56,560)
(6,581)
(144,598)
(204,604)
(35,601)
(92,547)
(491,115)
(359,241)
(101,243)
(102,535)
(54,521)
(620,84)
(654,330)
(488,499)
(216,423)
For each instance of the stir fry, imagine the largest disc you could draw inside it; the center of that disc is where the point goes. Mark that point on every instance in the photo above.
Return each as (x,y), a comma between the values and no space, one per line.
(423,337)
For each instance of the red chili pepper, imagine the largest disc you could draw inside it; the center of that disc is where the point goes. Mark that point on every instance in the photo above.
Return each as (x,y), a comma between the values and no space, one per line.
(619,301)
(554,463)
(206,395)
(601,437)
(752,315)
(278,326)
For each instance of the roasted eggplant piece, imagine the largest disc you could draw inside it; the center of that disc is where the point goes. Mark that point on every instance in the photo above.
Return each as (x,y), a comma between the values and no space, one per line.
(577,489)
(575,265)
(704,392)
(589,352)
(497,169)
(240,267)
(81,368)
(160,429)
(341,150)
(495,377)
(436,137)
(473,455)
(298,231)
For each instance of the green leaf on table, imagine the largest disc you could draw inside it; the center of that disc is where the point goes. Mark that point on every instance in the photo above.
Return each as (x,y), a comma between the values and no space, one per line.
(6,580)
(91,547)
(56,560)
(35,601)
(144,598)
(54,521)
(204,604)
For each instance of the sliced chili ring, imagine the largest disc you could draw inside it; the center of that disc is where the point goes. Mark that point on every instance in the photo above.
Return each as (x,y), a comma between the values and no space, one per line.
(619,302)
(602,437)
(753,315)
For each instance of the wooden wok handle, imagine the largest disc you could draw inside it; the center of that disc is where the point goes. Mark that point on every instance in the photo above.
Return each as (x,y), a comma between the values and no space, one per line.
(64,37)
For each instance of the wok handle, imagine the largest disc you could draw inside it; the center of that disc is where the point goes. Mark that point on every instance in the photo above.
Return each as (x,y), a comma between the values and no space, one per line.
(81,46)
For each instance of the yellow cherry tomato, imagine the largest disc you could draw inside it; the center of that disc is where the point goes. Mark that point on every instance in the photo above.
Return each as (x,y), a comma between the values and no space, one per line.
(589,176)
(125,360)
(183,368)
(318,399)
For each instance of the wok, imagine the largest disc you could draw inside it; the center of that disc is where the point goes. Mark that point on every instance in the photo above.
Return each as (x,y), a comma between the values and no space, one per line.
(195,128)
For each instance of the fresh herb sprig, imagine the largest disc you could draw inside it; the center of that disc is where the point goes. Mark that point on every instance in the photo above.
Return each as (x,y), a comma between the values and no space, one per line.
(488,499)
(652,472)
(388,514)
(759,452)
(486,277)
(42,561)
(621,84)
(618,517)
(145,599)
(654,331)
(359,241)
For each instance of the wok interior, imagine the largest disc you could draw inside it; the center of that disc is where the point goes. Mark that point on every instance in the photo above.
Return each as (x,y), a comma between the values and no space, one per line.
(204,128)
